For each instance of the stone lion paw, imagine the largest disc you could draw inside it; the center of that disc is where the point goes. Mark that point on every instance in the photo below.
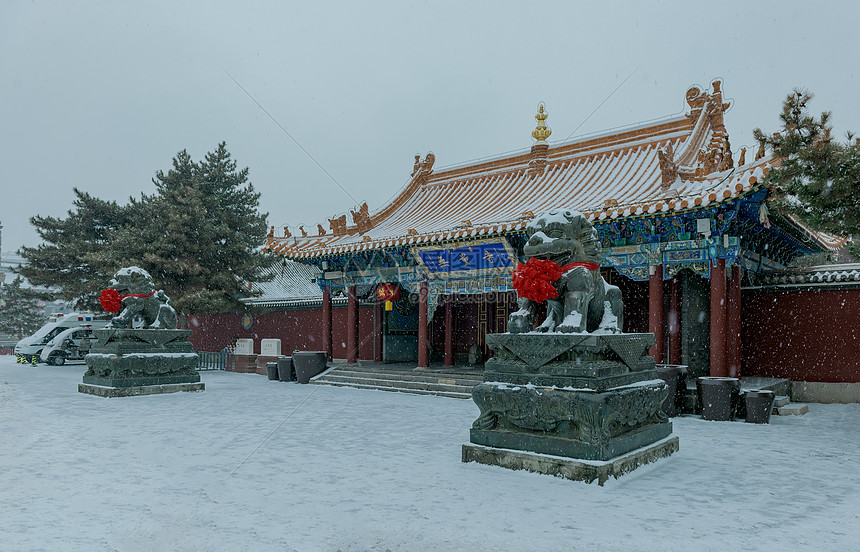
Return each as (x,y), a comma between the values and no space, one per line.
(572,323)
(518,324)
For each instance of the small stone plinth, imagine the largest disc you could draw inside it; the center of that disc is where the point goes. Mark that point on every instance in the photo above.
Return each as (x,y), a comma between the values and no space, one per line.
(102,391)
(140,362)
(569,468)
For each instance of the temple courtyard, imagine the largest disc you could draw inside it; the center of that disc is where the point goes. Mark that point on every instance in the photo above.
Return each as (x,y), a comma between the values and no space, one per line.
(257,465)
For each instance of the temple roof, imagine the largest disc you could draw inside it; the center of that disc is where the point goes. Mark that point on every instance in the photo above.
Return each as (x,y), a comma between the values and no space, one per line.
(844,274)
(672,165)
(291,284)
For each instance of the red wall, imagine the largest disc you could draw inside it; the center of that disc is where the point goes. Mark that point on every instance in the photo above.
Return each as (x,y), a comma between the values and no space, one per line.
(810,335)
(297,330)
(339,335)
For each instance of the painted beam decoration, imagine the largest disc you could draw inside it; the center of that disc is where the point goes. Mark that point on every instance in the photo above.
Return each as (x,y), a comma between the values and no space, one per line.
(477,258)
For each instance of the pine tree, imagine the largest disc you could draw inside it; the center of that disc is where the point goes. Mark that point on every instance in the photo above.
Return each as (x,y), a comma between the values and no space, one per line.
(204,233)
(71,258)
(22,310)
(816,177)
(199,236)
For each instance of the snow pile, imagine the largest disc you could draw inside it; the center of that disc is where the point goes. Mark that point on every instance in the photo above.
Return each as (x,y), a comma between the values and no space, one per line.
(572,320)
(257,465)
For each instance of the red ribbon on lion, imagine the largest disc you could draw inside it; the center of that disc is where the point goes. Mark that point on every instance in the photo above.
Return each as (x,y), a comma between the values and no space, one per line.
(534,280)
(111,300)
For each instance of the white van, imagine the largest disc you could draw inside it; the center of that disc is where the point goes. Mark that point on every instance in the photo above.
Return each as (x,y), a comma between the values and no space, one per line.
(69,344)
(32,346)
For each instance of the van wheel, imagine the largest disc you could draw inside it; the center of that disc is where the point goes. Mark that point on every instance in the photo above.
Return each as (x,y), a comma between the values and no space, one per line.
(56,359)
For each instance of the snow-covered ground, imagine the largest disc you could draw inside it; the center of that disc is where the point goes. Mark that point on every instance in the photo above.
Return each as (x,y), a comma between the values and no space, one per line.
(255,465)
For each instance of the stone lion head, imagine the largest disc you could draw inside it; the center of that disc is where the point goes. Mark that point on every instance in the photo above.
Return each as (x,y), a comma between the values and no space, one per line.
(563,236)
(132,279)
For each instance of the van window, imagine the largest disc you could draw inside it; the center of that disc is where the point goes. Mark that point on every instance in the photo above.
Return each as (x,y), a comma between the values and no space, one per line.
(50,335)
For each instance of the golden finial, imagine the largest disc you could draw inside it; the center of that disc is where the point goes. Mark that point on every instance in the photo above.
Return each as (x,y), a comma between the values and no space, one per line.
(541,132)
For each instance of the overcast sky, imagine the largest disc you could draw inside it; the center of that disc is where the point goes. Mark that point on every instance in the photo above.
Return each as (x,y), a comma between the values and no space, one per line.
(101,95)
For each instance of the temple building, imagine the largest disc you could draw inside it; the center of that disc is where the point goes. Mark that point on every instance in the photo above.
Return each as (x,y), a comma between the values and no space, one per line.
(683,225)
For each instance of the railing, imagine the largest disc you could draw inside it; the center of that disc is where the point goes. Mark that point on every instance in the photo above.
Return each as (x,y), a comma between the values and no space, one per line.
(212,361)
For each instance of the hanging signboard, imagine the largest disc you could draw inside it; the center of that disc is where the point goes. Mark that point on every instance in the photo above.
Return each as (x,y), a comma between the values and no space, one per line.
(474,258)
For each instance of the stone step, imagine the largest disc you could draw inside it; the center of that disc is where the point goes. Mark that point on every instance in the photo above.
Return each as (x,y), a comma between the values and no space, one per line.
(411,375)
(778,401)
(453,395)
(386,376)
(441,383)
(400,384)
(792,409)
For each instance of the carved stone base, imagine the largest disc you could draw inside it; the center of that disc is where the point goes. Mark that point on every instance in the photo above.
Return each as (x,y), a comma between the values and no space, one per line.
(578,423)
(593,361)
(102,391)
(566,467)
(141,380)
(141,358)
(587,396)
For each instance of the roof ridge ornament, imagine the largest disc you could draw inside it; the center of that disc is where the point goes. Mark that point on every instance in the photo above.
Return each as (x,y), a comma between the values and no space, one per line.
(538,157)
(422,170)
(541,132)
(668,167)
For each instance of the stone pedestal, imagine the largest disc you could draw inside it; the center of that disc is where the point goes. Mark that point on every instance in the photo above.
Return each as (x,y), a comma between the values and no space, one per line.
(128,362)
(243,364)
(589,397)
(570,468)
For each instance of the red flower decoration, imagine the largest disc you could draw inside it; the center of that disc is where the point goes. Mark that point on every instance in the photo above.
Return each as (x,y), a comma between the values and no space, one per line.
(110,300)
(534,279)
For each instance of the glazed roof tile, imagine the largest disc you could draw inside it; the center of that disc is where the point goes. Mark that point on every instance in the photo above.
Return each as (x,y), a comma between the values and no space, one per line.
(829,242)
(822,274)
(610,176)
(291,285)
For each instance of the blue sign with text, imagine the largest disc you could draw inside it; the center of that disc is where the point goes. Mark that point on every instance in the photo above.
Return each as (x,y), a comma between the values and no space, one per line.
(484,256)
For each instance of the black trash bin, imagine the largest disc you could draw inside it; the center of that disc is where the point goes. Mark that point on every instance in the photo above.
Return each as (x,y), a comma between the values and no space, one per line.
(672,376)
(272,370)
(308,364)
(285,369)
(759,406)
(718,397)
(736,383)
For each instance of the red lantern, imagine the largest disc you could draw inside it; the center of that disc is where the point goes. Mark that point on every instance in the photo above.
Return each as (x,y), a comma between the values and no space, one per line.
(388,292)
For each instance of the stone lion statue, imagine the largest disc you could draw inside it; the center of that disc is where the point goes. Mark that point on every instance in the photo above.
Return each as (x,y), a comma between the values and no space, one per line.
(133,291)
(578,298)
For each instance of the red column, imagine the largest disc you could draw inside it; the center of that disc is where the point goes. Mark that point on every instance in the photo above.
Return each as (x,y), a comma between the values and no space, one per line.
(718,319)
(378,313)
(733,315)
(675,320)
(423,349)
(655,312)
(351,326)
(326,305)
(449,331)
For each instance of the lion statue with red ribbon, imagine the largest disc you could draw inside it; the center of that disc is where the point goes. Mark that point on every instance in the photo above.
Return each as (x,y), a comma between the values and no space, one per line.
(562,268)
(133,292)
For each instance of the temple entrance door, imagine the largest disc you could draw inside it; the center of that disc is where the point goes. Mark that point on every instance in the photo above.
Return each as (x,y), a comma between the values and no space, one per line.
(695,323)
(400,334)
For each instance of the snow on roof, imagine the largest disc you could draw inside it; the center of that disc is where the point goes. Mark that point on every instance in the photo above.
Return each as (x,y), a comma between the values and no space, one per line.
(671,165)
(830,242)
(824,274)
(292,285)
